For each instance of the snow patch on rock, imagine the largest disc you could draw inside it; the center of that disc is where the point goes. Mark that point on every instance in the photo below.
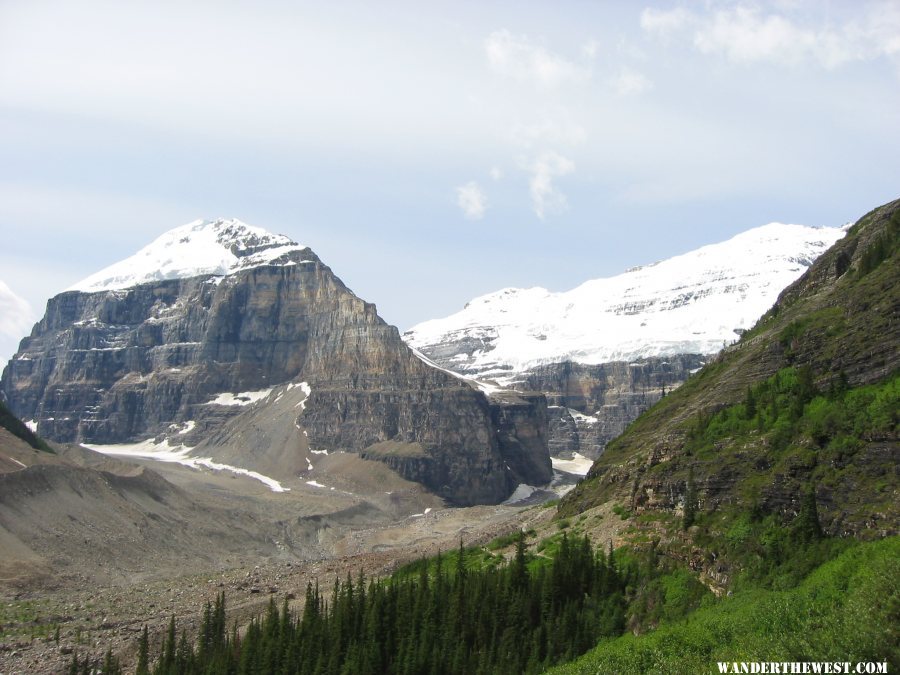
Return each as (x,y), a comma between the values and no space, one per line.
(163,452)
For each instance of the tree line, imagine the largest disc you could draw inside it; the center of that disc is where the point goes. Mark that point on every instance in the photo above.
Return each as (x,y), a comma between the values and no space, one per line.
(444,615)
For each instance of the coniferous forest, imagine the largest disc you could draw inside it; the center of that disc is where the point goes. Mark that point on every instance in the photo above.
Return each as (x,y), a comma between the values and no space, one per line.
(436,616)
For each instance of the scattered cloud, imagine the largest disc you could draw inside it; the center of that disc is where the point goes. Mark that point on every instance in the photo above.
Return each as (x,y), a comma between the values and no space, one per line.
(520,58)
(496,173)
(17,317)
(744,34)
(546,198)
(589,49)
(472,200)
(747,34)
(627,82)
(665,23)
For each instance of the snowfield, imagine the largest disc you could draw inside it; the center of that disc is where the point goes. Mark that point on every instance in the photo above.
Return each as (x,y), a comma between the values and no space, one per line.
(693,303)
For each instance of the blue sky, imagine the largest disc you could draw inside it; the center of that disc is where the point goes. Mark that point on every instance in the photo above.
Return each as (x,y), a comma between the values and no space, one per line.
(432,152)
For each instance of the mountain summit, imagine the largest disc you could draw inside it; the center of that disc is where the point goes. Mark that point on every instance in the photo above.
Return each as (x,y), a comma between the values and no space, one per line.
(202,247)
(225,344)
(689,304)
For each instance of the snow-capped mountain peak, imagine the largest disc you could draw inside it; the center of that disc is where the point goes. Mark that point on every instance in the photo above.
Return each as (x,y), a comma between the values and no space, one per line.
(691,303)
(217,247)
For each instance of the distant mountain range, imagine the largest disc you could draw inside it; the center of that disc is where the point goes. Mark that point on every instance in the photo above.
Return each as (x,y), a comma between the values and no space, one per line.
(608,349)
(690,304)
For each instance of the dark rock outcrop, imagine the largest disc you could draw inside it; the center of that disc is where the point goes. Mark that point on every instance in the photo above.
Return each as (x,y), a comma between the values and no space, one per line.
(592,404)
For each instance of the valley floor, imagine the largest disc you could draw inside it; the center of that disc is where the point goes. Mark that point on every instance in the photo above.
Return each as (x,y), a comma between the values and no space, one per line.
(92,617)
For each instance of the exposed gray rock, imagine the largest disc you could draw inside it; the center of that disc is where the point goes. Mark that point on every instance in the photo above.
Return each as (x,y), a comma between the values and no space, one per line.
(592,404)
(124,365)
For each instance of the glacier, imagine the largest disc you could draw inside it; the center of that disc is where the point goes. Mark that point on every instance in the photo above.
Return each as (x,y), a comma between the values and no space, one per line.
(694,303)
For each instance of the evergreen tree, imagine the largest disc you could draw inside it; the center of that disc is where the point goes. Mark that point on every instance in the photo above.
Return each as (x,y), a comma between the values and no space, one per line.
(806,525)
(690,501)
(143,662)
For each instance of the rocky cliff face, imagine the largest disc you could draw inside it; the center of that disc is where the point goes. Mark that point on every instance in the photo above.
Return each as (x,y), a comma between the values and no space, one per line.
(132,357)
(592,404)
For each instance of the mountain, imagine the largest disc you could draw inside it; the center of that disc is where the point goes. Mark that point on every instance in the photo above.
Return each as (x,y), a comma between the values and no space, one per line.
(806,403)
(219,326)
(608,349)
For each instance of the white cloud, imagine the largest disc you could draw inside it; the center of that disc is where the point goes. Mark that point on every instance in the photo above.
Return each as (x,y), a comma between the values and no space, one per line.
(496,173)
(664,23)
(518,57)
(472,200)
(16,317)
(743,34)
(746,34)
(545,196)
(628,81)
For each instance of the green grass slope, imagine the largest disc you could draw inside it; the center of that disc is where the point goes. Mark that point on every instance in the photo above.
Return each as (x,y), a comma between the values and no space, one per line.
(848,610)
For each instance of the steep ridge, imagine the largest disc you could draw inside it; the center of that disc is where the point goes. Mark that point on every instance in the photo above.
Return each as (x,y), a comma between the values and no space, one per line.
(830,335)
(201,325)
(610,348)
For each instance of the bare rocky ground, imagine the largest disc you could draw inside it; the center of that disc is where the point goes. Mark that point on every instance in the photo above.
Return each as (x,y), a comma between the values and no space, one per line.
(91,618)
(93,548)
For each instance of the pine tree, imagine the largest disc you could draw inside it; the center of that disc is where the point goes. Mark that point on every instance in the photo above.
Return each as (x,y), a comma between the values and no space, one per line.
(806,525)
(690,501)
(749,405)
(110,664)
(519,577)
(166,663)
(143,662)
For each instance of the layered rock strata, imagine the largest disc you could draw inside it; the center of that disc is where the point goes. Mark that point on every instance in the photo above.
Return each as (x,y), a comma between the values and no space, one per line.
(180,357)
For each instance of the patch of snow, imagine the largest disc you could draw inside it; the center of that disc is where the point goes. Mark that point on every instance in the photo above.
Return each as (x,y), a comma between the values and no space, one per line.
(188,427)
(315,484)
(521,493)
(31,424)
(309,466)
(581,417)
(17,462)
(487,387)
(163,452)
(202,247)
(242,398)
(579,464)
(319,452)
(307,390)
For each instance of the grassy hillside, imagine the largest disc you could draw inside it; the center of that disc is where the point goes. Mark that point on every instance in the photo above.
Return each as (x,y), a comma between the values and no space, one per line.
(846,610)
